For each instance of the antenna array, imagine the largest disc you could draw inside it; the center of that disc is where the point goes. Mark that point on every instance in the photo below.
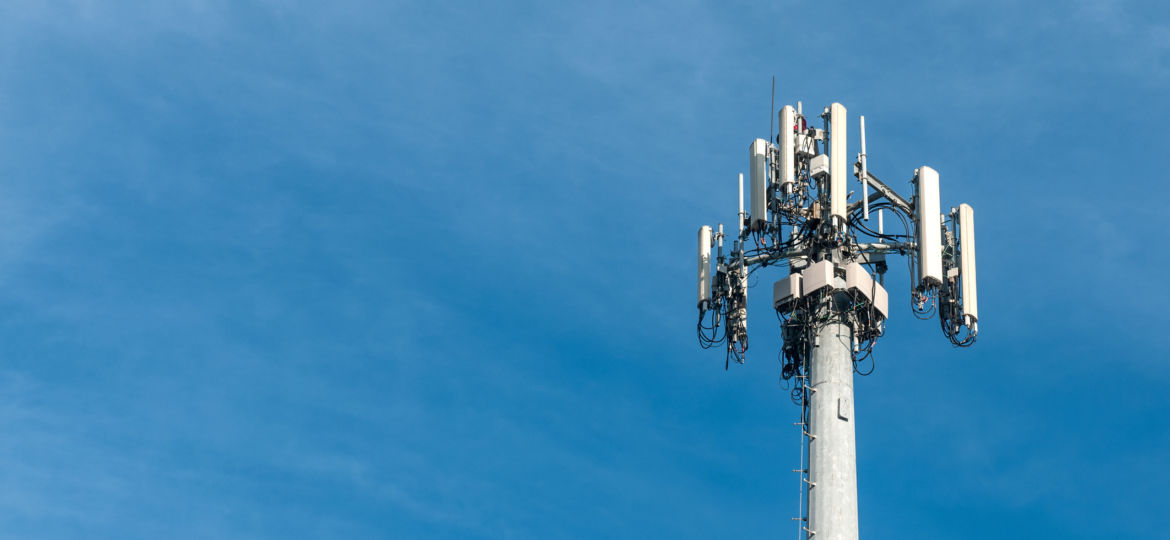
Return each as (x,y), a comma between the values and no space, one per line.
(832,305)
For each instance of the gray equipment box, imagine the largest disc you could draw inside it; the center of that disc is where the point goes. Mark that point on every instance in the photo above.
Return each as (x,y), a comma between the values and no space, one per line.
(785,292)
(856,278)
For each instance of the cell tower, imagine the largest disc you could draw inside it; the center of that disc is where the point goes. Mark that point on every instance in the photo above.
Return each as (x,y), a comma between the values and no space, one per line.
(832,305)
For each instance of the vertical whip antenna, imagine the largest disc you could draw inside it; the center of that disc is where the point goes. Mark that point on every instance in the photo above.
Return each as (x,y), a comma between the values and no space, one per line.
(741,215)
(772,111)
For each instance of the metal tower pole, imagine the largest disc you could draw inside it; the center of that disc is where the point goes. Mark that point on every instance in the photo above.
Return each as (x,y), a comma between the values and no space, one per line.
(832,492)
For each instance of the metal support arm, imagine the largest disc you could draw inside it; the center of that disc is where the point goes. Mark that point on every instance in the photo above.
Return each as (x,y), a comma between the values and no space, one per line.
(886,247)
(882,191)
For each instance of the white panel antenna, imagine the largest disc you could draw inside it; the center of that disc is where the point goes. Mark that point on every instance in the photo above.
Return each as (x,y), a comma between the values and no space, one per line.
(929,232)
(864,175)
(970,300)
(758,168)
(704,264)
(837,171)
(787,149)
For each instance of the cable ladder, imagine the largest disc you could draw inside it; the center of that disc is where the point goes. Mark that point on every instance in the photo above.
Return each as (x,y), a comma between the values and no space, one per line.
(805,438)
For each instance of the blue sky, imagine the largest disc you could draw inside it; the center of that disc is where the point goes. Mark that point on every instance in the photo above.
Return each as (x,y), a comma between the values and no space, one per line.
(389,270)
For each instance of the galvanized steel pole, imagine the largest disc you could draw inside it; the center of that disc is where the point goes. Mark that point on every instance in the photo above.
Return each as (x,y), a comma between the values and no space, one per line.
(832,448)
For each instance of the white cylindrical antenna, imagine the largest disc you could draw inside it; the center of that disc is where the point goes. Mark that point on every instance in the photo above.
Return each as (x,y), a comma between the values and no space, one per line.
(758,169)
(880,231)
(837,176)
(929,232)
(864,176)
(970,303)
(720,237)
(704,265)
(799,108)
(741,216)
(787,144)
